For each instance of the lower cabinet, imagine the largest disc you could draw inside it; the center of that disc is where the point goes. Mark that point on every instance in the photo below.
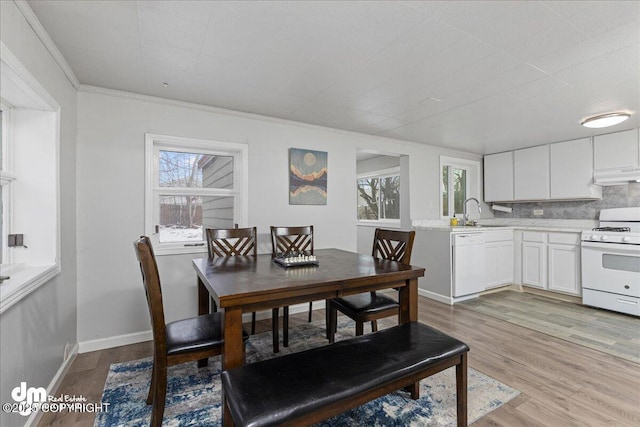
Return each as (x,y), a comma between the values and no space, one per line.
(564,263)
(534,260)
(499,257)
(551,261)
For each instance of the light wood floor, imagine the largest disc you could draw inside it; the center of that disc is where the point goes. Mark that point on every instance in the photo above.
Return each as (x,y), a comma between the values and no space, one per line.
(561,383)
(614,333)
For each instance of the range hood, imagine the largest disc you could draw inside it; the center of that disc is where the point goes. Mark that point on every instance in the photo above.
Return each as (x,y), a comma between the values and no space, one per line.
(616,176)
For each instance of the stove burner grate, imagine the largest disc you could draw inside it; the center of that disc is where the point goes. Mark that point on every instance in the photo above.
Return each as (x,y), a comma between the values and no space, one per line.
(613,229)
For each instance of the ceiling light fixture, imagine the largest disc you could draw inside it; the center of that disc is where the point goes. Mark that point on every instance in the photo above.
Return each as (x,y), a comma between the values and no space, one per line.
(605,120)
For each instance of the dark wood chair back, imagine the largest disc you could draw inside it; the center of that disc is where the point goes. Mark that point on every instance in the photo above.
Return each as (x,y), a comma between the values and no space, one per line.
(153,291)
(224,242)
(395,245)
(291,240)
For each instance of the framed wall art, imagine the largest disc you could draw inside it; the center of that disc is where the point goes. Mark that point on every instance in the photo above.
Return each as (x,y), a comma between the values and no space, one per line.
(307,177)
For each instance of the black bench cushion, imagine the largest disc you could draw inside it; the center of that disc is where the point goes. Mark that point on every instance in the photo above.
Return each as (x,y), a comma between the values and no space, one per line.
(286,388)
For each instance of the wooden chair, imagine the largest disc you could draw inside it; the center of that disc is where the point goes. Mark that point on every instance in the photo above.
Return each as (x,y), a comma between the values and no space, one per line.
(393,245)
(186,340)
(225,242)
(287,241)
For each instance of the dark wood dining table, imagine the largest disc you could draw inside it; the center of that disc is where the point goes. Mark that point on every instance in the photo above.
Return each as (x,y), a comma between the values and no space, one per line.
(242,284)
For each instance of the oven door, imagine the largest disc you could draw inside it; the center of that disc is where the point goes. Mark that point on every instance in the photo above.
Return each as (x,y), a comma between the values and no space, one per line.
(611,267)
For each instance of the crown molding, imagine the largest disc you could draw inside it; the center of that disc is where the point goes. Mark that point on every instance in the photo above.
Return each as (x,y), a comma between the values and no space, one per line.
(48,43)
(227,112)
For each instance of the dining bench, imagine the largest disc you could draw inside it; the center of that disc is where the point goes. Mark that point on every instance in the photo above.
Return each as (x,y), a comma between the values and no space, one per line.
(310,386)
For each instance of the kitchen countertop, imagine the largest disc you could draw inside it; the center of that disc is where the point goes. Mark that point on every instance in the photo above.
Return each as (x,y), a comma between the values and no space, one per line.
(559,225)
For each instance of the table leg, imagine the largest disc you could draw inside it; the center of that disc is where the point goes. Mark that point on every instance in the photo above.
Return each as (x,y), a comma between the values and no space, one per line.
(408,299)
(232,350)
(203,298)
(203,308)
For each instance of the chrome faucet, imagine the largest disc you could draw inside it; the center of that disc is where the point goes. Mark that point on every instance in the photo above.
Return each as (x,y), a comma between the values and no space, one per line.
(465,215)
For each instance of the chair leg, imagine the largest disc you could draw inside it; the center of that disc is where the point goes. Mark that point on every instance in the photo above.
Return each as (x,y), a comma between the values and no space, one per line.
(274,329)
(461,390)
(310,309)
(152,386)
(253,323)
(359,327)
(374,326)
(159,396)
(285,326)
(332,322)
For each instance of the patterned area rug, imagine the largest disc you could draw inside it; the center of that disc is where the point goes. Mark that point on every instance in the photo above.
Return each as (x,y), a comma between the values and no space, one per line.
(193,395)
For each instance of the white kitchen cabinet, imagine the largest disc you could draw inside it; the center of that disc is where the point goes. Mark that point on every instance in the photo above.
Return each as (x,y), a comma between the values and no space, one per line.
(531,173)
(564,262)
(551,261)
(571,167)
(499,257)
(534,259)
(498,177)
(617,150)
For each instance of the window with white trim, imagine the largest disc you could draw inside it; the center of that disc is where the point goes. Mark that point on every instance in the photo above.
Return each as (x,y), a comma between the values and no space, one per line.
(459,180)
(30,183)
(379,196)
(192,185)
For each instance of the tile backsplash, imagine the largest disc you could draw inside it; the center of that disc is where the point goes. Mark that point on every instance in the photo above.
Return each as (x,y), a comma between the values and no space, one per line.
(614,196)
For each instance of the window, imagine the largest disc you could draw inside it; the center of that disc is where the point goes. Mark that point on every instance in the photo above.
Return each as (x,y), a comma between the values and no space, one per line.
(192,185)
(457,176)
(29,183)
(379,196)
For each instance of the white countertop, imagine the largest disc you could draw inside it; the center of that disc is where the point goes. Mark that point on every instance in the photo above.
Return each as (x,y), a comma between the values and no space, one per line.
(560,225)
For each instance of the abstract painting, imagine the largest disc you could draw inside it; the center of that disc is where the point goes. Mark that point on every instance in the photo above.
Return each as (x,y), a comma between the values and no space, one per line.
(307,177)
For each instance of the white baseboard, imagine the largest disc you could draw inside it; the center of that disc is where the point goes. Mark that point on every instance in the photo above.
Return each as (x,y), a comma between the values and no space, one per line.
(117,341)
(434,296)
(137,337)
(35,417)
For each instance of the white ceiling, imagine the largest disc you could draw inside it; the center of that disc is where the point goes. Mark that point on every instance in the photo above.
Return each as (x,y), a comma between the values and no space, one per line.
(481,76)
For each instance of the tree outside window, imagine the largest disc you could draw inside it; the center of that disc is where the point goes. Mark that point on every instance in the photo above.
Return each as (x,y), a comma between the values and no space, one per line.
(379,198)
(454,182)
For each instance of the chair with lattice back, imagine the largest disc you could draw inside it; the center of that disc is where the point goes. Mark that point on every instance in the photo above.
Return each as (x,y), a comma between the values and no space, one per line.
(226,242)
(187,340)
(286,241)
(394,245)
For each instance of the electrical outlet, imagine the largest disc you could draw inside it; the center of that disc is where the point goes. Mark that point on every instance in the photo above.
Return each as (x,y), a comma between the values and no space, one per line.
(538,212)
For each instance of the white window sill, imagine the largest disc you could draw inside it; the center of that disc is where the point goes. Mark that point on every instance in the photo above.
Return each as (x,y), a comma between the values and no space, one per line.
(160,249)
(380,224)
(24,281)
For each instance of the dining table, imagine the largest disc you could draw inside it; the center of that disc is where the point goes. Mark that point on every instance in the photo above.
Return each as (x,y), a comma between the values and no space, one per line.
(243,284)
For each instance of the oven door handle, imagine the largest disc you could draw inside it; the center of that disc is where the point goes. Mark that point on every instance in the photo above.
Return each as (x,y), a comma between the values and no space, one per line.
(612,247)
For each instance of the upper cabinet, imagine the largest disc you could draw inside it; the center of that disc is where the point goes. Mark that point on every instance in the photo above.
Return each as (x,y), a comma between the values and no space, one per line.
(531,173)
(617,150)
(572,170)
(498,177)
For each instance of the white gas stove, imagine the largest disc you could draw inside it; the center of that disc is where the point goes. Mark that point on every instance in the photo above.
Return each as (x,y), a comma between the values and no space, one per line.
(611,261)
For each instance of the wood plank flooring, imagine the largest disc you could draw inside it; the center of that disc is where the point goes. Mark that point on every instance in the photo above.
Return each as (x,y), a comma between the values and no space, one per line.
(614,333)
(562,383)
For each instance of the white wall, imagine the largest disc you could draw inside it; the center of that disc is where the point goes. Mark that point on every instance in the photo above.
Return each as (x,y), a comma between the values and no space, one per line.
(34,332)
(110,170)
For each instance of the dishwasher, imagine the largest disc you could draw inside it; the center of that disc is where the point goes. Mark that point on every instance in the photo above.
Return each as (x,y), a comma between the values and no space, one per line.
(469,268)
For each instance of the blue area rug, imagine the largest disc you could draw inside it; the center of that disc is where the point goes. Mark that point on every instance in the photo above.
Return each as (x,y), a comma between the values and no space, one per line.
(193,395)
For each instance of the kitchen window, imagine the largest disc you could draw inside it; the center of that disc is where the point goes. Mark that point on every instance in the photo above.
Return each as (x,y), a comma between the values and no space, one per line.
(458,179)
(192,185)
(379,196)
